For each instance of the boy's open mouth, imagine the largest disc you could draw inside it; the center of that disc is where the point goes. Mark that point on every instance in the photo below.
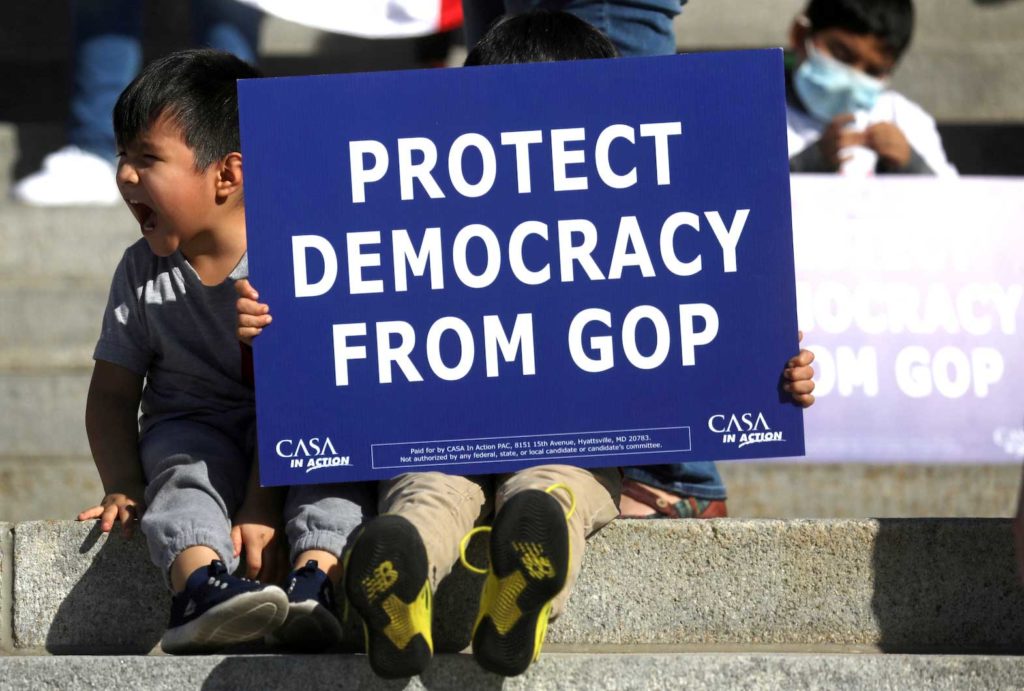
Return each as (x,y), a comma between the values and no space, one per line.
(143,214)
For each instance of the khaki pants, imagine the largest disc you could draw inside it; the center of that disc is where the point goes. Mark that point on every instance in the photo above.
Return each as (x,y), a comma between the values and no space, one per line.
(446,507)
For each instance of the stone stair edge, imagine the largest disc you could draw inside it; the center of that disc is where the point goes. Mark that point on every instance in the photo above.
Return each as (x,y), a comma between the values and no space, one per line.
(56,360)
(905,585)
(688,525)
(6,585)
(552,670)
(768,489)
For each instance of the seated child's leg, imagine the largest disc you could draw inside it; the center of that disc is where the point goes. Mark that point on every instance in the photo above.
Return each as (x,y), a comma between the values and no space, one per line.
(536,547)
(196,478)
(399,557)
(442,507)
(318,521)
(596,492)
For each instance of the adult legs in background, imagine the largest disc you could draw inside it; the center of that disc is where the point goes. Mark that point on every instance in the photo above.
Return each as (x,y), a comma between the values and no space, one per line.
(673,490)
(227,25)
(638,27)
(107,54)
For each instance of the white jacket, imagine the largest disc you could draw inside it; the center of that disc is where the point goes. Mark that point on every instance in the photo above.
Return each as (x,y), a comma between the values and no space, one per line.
(918,126)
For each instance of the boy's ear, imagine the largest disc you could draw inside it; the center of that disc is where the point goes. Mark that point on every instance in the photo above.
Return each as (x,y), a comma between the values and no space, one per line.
(229,175)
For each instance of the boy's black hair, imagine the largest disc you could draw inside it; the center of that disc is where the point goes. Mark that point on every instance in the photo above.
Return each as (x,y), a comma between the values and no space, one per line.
(196,89)
(891,21)
(539,36)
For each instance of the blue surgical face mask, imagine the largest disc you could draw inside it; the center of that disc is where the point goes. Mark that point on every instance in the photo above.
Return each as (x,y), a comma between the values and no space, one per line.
(829,88)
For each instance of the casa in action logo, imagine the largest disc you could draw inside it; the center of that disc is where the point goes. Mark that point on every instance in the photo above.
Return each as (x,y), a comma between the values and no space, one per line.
(742,429)
(314,453)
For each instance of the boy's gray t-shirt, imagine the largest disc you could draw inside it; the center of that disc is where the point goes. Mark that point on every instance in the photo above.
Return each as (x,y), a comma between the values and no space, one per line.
(162,323)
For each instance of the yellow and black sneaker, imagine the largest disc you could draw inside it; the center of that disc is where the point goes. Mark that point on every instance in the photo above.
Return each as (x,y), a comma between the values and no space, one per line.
(386,582)
(529,550)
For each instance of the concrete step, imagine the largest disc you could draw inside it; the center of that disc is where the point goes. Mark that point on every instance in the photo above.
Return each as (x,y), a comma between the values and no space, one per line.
(34,488)
(553,671)
(863,490)
(47,488)
(43,413)
(50,323)
(921,586)
(65,243)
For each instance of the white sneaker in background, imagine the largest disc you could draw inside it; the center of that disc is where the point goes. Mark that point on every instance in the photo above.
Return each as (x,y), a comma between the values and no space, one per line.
(69,177)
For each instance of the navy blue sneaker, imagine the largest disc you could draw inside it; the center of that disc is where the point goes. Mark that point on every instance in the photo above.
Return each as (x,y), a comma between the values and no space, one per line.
(217,609)
(312,624)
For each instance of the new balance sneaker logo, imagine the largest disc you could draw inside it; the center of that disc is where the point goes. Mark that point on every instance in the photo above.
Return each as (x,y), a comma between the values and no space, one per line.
(382,578)
(532,557)
(190,609)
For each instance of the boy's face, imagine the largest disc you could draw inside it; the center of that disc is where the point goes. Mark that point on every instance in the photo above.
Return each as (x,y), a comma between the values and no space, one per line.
(172,202)
(863,52)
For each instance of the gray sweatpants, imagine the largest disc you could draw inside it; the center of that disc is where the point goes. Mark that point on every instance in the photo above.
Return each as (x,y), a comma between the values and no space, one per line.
(196,476)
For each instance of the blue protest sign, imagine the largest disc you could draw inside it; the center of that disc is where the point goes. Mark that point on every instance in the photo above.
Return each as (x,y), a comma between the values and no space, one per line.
(914,324)
(482,269)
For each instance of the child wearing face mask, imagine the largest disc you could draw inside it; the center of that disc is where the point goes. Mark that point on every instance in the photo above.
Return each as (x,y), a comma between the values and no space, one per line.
(841,114)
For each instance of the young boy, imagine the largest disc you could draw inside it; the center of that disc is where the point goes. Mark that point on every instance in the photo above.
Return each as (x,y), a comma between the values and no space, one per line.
(168,343)
(839,101)
(543,514)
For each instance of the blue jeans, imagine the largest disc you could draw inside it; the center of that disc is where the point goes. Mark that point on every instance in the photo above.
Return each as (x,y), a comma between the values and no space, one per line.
(636,27)
(108,55)
(696,479)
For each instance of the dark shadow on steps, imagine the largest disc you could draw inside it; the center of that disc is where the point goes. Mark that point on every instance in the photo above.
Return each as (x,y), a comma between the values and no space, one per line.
(947,586)
(118,605)
(446,673)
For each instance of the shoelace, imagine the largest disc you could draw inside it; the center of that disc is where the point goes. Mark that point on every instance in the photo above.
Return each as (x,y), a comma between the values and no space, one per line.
(464,544)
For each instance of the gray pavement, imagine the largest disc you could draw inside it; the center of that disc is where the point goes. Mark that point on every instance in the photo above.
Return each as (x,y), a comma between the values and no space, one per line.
(63,243)
(610,672)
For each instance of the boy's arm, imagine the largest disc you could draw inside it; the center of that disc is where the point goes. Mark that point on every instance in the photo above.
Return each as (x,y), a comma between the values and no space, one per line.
(112,424)
(256,528)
